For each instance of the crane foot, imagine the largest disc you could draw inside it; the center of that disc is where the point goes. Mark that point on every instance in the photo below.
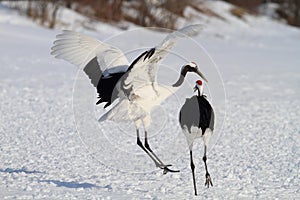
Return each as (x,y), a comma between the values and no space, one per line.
(208,180)
(166,170)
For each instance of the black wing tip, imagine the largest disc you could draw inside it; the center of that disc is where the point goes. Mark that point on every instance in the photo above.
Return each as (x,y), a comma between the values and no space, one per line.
(149,53)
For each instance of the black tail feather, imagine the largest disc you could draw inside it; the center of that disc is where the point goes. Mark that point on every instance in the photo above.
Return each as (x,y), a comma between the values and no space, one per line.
(102,101)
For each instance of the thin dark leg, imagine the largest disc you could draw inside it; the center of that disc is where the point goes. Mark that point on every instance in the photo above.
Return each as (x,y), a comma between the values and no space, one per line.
(150,150)
(193,172)
(141,145)
(162,165)
(207,175)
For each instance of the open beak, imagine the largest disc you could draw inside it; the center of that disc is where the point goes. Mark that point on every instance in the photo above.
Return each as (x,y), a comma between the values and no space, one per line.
(201,75)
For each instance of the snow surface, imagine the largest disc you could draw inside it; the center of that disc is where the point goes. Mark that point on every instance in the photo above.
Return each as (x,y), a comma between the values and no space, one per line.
(52,146)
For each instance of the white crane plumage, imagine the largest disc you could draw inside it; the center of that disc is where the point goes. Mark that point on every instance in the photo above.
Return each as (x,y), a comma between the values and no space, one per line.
(134,85)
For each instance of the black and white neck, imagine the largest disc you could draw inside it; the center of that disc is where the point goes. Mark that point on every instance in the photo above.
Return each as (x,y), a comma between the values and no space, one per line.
(199,88)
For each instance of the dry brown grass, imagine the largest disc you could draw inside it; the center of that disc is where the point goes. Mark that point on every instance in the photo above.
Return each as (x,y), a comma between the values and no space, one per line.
(239,12)
(206,11)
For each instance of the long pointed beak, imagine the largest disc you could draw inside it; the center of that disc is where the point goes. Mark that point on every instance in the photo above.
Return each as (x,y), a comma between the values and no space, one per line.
(202,76)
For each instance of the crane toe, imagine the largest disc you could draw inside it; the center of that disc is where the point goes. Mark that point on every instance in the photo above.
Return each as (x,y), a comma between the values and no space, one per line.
(208,181)
(166,170)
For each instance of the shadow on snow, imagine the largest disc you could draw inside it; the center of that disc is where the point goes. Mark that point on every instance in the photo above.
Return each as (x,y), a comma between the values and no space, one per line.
(73,184)
(22,170)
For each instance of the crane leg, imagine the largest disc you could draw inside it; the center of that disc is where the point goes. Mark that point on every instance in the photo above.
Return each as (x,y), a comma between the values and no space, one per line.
(140,144)
(162,166)
(193,172)
(207,175)
(153,157)
(150,150)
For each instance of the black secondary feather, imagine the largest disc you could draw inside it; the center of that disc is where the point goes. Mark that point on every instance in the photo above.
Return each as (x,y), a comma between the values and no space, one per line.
(106,84)
(106,87)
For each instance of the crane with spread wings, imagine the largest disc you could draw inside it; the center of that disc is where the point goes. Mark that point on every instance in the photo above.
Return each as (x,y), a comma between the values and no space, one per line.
(133,85)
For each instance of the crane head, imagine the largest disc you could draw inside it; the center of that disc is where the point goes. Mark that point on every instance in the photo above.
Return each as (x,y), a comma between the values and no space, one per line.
(189,67)
(199,87)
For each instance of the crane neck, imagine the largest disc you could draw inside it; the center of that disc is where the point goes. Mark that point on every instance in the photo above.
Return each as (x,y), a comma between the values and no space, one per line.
(179,81)
(183,73)
(200,90)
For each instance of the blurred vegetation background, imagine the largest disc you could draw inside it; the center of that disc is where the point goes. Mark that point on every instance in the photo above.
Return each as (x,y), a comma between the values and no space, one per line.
(158,13)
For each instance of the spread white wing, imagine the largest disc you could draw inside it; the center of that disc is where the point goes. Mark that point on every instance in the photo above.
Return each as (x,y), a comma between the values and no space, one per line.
(97,58)
(143,71)
(83,51)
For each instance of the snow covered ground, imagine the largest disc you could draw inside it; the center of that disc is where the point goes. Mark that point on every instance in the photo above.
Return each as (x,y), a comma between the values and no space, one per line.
(48,151)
